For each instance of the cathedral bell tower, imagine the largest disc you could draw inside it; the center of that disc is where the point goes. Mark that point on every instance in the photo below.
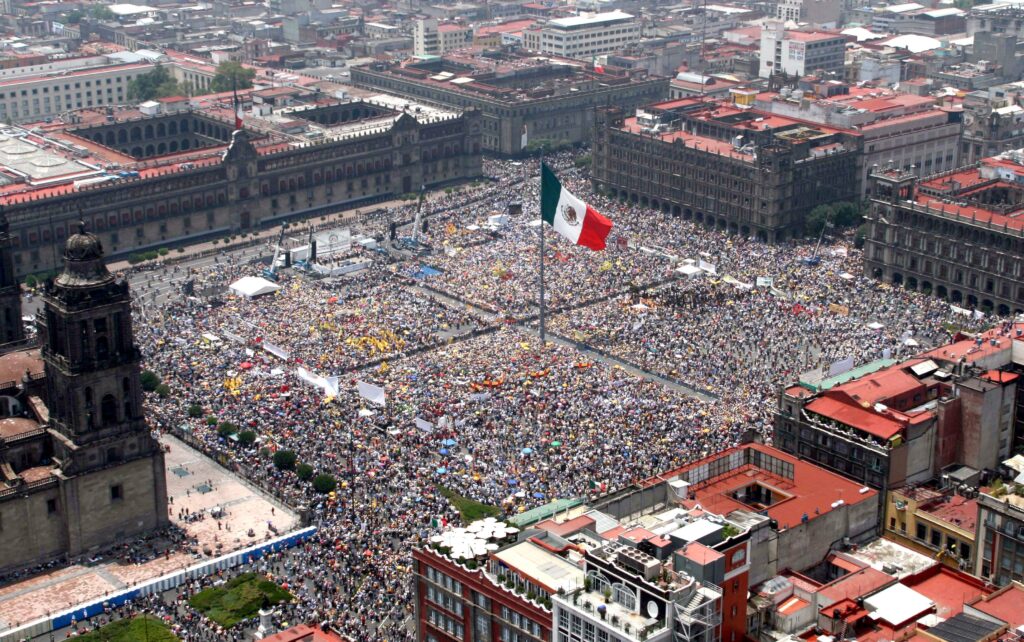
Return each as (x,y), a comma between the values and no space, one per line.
(12,330)
(92,364)
(95,400)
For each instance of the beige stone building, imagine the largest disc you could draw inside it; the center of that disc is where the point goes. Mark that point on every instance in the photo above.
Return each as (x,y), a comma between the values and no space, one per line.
(79,467)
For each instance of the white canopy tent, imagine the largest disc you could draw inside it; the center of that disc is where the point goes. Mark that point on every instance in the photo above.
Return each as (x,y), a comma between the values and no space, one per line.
(689,271)
(253,286)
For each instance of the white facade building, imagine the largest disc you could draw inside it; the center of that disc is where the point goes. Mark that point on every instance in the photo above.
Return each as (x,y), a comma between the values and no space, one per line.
(425,41)
(35,97)
(798,53)
(584,36)
(432,39)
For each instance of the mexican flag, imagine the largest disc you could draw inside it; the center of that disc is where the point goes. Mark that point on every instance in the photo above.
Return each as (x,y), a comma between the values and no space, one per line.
(571,217)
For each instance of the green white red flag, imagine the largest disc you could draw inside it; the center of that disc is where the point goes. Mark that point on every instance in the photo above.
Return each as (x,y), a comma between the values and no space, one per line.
(569,215)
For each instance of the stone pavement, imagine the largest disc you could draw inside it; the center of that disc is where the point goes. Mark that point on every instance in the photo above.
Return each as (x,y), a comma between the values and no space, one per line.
(196,483)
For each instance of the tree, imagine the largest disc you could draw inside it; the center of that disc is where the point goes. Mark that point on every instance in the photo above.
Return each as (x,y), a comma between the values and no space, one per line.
(847,214)
(163,390)
(817,219)
(324,483)
(101,13)
(226,429)
(860,235)
(232,75)
(149,380)
(304,472)
(285,459)
(195,411)
(158,83)
(247,437)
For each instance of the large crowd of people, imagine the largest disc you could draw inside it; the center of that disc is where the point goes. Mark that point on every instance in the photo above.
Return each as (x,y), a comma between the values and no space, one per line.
(474,404)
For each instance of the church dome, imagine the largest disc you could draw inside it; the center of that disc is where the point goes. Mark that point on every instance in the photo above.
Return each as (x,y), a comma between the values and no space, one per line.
(83,261)
(83,246)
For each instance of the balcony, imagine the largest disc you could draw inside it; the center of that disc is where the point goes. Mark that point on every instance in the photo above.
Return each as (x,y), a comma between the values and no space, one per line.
(623,622)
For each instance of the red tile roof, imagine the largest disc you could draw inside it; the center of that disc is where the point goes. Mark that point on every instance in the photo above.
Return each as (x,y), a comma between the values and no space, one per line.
(699,553)
(861,583)
(948,588)
(1007,604)
(856,417)
(812,491)
(958,511)
(886,383)
(567,528)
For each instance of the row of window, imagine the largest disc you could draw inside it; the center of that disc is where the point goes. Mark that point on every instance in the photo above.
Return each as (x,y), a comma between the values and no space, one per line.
(449,583)
(520,622)
(449,625)
(445,600)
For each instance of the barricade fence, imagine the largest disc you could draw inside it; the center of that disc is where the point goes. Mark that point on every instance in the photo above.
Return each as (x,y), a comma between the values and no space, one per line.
(157,585)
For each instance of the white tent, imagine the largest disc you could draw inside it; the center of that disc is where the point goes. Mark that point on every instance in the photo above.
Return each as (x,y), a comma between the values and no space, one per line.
(253,286)
(689,271)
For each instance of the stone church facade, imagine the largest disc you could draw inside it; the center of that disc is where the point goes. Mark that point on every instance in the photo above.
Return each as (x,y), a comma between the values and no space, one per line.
(79,467)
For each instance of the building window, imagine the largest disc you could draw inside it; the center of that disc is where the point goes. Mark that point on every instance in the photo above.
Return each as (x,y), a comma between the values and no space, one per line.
(116,493)
(922,532)
(936,538)
(51,506)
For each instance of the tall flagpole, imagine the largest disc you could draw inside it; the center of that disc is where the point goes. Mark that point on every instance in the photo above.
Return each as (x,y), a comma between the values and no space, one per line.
(543,305)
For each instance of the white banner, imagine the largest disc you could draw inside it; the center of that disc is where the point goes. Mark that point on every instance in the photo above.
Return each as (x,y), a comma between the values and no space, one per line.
(328,384)
(707,267)
(841,366)
(424,425)
(277,351)
(372,393)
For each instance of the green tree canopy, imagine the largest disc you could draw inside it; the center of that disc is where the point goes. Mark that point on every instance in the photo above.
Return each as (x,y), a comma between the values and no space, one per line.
(817,219)
(228,73)
(847,214)
(324,483)
(285,459)
(149,380)
(158,83)
(304,472)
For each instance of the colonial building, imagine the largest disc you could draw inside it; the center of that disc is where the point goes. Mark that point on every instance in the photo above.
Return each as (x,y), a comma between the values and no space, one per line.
(889,424)
(957,235)
(79,467)
(521,98)
(205,181)
(725,165)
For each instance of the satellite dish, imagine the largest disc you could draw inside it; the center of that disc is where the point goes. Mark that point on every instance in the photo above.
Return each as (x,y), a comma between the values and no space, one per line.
(652,609)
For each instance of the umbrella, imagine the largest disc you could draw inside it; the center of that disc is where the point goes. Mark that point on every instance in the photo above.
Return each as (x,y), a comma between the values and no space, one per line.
(512,482)
(539,495)
(245,365)
(448,442)
(556,444)
(442,470)
(443,451)
(527,451)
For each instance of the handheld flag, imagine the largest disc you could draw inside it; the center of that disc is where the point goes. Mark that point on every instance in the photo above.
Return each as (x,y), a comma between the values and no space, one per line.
(570,216)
